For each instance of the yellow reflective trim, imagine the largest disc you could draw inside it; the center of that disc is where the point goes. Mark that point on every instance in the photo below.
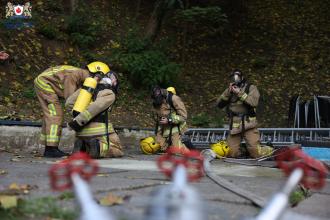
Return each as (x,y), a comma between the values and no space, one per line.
(87,115)
(52,110)
(244,96)
(42,137)
(236,125)
(53,137)
(54,70)
(98,130)
(175,129)
(42,85)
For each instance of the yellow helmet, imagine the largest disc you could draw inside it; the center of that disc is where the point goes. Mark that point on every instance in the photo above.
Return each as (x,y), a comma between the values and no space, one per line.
(264,150)
(171,89)
(98,66)
(221,148)
(149,146)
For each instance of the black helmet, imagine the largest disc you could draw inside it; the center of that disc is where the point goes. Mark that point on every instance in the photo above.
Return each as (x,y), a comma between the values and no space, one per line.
(237,78)
(157,94)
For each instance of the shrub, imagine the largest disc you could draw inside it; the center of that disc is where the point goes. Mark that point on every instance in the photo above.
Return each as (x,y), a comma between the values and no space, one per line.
(85,26)
(48,30)
(145,65)
(200,120)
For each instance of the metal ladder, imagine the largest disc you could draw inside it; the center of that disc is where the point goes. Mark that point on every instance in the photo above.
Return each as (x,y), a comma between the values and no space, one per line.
(202,137)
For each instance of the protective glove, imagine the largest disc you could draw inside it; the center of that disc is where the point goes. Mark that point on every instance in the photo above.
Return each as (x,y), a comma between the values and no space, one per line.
(74,125)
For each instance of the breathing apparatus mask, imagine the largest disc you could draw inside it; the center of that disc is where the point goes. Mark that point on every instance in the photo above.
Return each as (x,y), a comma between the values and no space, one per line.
(237,79)
(157,96)
(110,80)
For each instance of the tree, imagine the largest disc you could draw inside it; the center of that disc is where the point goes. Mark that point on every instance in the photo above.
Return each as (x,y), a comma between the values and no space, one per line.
(161,8)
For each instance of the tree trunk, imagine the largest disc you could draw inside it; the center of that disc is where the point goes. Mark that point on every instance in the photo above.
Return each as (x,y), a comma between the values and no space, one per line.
(138,6)
(73,4)
(156,19)
(185,30)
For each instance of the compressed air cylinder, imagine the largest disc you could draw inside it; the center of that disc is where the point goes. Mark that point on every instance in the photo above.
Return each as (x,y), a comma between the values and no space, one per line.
(85,96)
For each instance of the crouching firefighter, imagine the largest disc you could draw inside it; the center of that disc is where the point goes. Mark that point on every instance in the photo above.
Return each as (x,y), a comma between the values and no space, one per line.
(94,134)
(170,117)
(51,86)
(241,100)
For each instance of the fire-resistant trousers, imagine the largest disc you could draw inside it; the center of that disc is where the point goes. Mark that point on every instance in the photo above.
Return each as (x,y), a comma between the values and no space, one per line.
(52,118)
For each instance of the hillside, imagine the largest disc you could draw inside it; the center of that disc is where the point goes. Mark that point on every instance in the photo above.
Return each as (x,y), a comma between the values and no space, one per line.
(282,47)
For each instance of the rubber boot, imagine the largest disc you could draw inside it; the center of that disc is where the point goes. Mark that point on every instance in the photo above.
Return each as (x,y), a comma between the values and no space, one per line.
(54,152)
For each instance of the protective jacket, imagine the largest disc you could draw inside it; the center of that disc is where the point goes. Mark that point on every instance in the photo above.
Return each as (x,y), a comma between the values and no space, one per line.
(241,107)
(62,80)
(51,85)
(94,117)
(177,115)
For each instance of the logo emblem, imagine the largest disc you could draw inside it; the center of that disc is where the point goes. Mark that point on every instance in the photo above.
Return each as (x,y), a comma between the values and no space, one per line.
(18,9)
(22,11)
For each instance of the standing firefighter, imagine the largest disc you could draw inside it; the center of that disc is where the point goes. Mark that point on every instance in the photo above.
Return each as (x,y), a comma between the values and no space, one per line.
(91,103)
(52,85)
(241,100)
(171,116)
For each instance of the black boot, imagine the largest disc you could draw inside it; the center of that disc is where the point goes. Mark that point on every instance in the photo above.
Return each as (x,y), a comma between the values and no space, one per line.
(54,152)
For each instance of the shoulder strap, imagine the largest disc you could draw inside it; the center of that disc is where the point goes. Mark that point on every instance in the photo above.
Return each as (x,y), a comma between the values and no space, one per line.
(247,89)
(170,100)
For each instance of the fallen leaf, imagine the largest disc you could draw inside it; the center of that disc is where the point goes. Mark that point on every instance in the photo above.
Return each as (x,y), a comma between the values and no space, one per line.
(2,172)
(110,200)
(14,186)
(8,201)
(15,160)
(103,174)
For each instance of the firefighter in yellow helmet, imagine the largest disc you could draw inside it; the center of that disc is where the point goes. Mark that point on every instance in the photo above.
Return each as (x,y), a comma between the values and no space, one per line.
(90,108)
(241,99)
(171,116)
(171,89)
(52,85)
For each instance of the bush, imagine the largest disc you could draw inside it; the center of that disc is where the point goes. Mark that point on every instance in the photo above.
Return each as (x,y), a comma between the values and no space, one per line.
(29,93)
(48,30)
(85,26)
(146,66)
(211,18)
(200,120)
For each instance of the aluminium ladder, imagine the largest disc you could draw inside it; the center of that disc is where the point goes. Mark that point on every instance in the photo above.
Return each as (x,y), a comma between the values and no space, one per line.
(202,137)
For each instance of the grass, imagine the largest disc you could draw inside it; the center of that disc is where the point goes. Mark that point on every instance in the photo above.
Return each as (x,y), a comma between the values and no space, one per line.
(298,195)
(44,207)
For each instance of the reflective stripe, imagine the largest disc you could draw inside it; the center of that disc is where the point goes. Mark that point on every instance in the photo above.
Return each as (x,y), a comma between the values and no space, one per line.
(53,137)
(237,125)
(42,137)
(175,118)
(174,129)
(104,146)
(42,85)
(244,96)
(97,129)
(87,115)
(224,98)
(52,110)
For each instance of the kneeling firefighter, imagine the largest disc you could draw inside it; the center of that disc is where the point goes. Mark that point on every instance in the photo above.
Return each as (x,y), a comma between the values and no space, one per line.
(171,116)
(241,100)
(91,103)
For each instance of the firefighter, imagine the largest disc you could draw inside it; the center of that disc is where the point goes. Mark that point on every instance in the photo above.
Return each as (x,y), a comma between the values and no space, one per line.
(94,134)
(241,99)
(53,84)
(171,116)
